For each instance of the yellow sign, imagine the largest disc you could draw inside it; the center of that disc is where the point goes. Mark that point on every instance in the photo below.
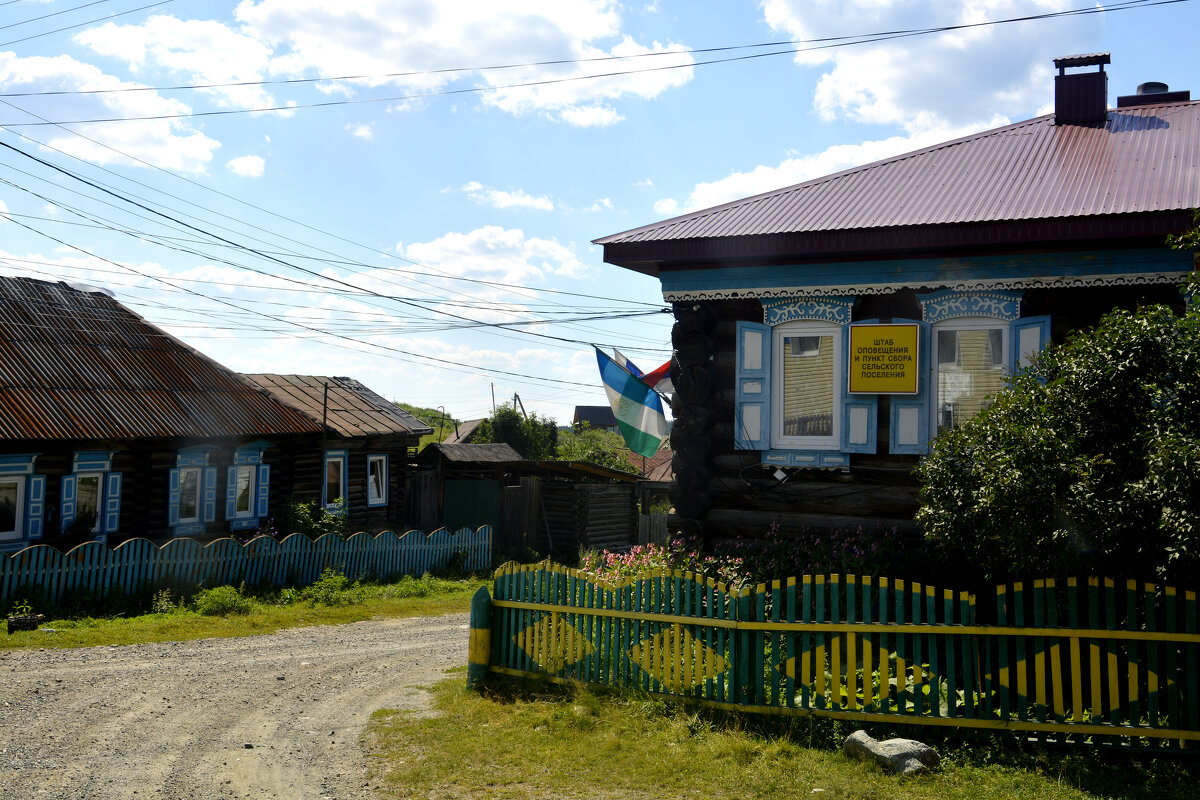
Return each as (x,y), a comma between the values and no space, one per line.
(884,359)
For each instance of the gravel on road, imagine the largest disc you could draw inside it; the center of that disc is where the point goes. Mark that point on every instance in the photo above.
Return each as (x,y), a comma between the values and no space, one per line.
(273,716)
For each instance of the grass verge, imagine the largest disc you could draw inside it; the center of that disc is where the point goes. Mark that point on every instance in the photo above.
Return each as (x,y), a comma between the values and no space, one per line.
(537,740)
(230,611)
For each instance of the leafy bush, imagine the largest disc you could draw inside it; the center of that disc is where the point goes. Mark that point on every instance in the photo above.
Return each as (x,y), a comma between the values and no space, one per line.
(535,438)
(332,589)
(309,518)
(1088,464)
(221,601)
(812,551)
(595,446)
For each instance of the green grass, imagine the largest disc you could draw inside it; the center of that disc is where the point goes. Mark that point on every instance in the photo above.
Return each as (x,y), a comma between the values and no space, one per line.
(237,612)
(524,740)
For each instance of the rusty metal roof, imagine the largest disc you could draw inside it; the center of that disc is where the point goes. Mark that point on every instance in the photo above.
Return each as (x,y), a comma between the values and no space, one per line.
(76,364)
(1136,175)
(352,408)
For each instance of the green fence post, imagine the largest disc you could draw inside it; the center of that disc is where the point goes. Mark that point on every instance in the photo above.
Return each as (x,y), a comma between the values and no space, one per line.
(479,652)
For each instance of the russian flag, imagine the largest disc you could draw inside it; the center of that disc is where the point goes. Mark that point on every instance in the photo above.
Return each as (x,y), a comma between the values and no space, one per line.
(659,380)
(637,407)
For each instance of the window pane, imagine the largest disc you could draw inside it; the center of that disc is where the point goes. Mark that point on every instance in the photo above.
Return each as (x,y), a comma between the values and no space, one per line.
(333,480)
(970,372)
(87,501)
(808,387)
(8,506)
(245,484)
(376,478)
(189,495)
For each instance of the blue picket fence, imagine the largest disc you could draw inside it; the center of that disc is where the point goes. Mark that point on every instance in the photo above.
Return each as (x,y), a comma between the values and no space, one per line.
(136,563)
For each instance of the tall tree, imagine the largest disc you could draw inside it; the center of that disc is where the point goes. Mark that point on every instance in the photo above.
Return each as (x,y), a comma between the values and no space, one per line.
(535,438)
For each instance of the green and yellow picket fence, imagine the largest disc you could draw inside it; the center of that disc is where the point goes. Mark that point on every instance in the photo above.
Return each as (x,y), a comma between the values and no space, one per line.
(1083,661)
(296,560)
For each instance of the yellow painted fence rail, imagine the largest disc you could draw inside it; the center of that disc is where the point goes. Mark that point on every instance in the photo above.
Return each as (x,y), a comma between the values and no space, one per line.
(1085,661)
(295,560)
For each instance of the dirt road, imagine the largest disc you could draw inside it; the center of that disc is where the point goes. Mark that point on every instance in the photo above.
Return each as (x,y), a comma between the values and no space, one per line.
(276,716)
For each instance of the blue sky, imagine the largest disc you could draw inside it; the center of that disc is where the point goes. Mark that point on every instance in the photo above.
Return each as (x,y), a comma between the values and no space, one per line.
(383,226)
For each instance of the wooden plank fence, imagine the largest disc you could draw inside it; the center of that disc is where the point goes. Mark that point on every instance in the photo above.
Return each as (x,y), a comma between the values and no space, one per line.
(294,560)
(1088,662)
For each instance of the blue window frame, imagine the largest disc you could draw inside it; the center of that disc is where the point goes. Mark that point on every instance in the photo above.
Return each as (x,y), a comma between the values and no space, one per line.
(248,487)
(92,491)
(377,480)
(22,501)
(334,488)
(192,491)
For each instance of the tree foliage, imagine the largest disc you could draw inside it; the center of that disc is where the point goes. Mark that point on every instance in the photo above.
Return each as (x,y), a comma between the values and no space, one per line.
(535,438)
(596,446)
(1088,464)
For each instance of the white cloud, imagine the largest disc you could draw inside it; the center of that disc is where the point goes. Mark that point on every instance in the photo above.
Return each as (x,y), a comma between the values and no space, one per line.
(645,182)
(501,199)
(802,168)
(366,132)
(247,166)
(201,51)
(167,143)
(409,40)
(923,83)
(603,204)
(593,116)
(496,253)
(667,207)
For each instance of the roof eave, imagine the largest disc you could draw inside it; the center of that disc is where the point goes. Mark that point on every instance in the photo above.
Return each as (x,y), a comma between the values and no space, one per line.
(652,257)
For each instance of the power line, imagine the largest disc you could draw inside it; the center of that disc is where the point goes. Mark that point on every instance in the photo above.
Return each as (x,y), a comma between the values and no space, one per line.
(54,14)
(844,41)
(85,24)
(470,322)
(374,345)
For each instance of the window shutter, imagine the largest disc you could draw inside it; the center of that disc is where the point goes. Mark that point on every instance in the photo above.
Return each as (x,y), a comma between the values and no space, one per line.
(860,412)
(231,492)
(1028,336)
(67,504)
(909,426)
(264,490)
(35,509)
(210,494)
(752,410)
(173,497)
(112,503)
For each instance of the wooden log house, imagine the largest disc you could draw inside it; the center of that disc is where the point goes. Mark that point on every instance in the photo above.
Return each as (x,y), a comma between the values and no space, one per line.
(111,428)
(825,332)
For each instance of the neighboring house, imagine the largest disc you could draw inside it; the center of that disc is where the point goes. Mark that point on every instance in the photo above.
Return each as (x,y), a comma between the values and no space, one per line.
(365,445)
(110,428)
(600,417)
(550,506)
(966,257)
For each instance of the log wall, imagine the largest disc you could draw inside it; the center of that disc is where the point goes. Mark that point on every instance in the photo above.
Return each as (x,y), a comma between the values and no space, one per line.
(720,493)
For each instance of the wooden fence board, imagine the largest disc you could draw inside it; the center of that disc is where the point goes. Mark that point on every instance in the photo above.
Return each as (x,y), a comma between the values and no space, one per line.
(1123,669)
(137,564)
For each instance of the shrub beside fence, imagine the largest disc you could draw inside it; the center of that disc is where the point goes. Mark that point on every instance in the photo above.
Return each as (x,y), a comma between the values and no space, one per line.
(296,559)
(1077,661)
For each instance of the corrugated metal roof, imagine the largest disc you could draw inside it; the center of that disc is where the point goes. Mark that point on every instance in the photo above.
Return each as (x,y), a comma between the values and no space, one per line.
(352,410)
(1143,159)
(76,364)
